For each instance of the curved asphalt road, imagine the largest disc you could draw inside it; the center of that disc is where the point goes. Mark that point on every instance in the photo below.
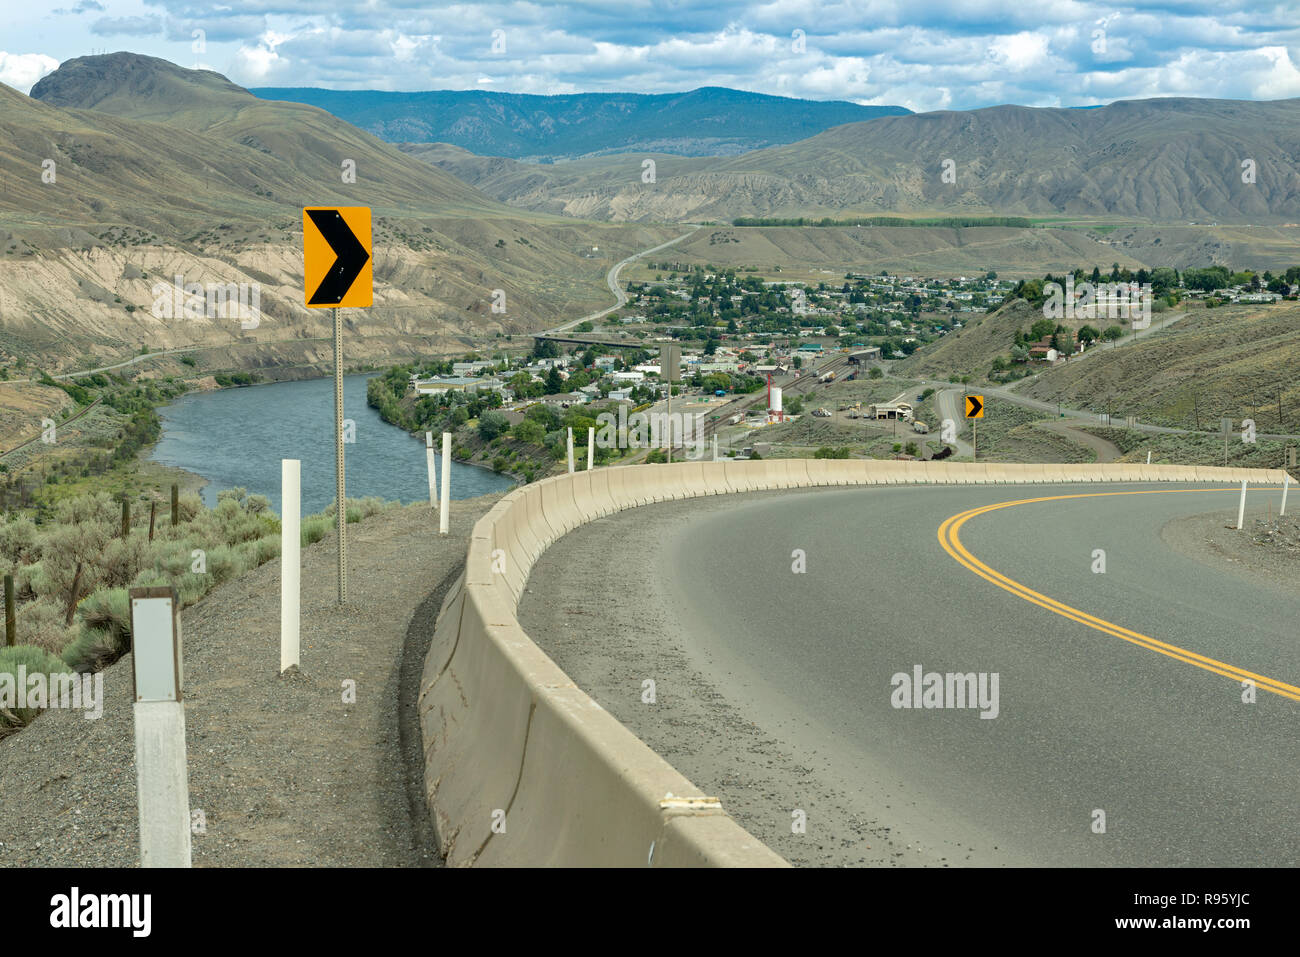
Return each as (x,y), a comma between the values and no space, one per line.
(1186,773)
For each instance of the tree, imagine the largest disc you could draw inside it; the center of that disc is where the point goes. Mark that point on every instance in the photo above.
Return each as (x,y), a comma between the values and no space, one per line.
(1112,333)
(529,430)
(1088,334)
(554,383)
(544,415)
(492,424)
(1041,329)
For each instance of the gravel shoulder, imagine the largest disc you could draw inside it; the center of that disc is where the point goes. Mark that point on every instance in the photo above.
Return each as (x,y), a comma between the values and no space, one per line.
(284,771)
(1213,539)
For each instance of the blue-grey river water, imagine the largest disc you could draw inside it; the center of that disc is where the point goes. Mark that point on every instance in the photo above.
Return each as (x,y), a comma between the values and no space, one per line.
(237,437)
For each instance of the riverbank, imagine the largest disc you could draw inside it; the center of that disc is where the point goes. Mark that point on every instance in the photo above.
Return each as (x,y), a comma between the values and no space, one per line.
(285,769)
(238,438)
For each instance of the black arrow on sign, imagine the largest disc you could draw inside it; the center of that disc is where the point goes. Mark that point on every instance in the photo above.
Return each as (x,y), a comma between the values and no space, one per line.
(973,406)
(351,256)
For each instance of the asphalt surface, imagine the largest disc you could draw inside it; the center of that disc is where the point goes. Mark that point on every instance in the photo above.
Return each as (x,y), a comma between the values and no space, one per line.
(1185,772)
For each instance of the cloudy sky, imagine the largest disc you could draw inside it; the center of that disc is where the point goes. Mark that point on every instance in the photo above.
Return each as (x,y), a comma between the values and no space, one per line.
(921,54)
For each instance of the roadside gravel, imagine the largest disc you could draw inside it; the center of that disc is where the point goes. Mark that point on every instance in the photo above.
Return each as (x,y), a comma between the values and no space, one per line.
(284,772)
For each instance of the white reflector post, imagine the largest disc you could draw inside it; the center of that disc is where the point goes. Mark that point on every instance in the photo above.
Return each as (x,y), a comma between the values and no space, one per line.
(443,516)
(591,446)
(290,560)
(162,778)
(570,441)
(1286,484)
(433,469)
(1241,508)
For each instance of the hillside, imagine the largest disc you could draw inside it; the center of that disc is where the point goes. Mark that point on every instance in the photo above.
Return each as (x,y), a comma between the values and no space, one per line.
(1168,160)
(922,251)
(1233,361)
(701,122)
(972,349)
(162,171)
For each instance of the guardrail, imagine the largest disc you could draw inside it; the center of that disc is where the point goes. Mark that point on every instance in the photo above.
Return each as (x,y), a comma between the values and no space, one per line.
(522,767)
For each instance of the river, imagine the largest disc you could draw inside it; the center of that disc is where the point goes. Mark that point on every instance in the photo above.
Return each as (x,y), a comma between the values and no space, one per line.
(237,437)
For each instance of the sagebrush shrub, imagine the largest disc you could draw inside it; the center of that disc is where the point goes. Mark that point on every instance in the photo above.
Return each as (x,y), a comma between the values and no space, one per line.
(34,660)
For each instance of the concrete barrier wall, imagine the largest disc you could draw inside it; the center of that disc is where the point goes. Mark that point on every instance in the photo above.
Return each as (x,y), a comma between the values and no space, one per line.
(522,768)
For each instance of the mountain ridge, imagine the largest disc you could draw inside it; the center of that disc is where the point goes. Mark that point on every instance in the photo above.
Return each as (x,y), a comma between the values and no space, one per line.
(1161,160)
(545,128)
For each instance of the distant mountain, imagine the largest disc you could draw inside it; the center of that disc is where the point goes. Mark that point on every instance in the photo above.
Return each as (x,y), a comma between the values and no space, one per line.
(282,152)
(711,121)
(1172,160)
(156,171)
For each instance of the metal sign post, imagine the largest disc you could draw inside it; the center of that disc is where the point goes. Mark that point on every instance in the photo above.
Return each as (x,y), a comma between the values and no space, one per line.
(338,271)
(340,483)
(670,360)
(974,410)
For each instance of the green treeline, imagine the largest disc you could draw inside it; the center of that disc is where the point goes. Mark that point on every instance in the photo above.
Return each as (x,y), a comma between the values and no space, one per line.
(1015,222)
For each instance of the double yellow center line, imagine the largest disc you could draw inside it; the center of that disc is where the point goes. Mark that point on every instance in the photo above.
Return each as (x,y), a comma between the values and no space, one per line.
(951,543)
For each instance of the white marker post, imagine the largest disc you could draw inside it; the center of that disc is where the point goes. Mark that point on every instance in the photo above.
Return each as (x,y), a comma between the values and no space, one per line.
(570,450)
(162,777)
(290,560)
(1148,458)
(715,448)
(443,514)
(433,470)
(1241,508)
(1286,484)
(591,447)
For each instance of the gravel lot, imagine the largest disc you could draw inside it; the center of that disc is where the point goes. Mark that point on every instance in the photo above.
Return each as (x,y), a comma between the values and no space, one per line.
(284,772)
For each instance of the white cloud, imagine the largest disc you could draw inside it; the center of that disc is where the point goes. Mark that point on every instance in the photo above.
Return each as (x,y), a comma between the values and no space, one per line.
(22,70)
(1020,51)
